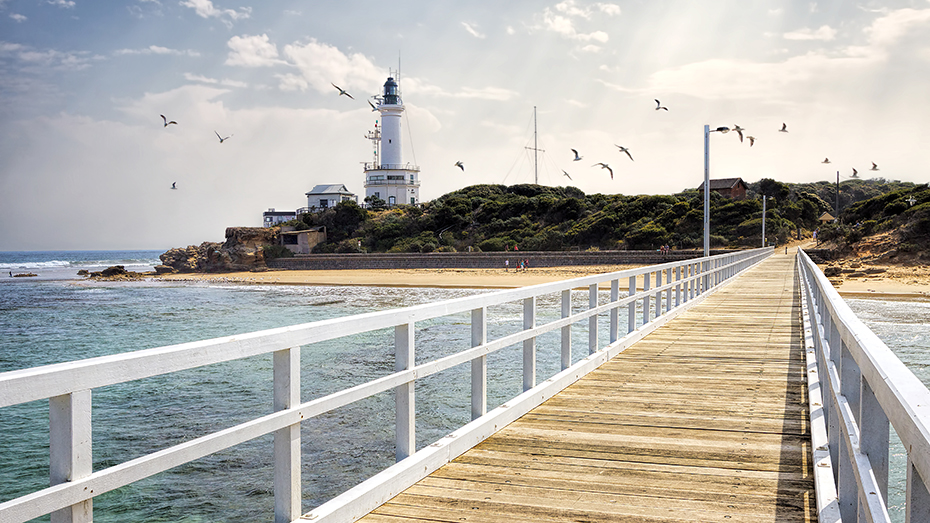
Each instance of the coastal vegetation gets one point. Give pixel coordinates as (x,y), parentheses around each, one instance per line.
(541,218)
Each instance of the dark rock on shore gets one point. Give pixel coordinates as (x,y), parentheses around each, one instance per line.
(25,275)
(242,251)
(115,273)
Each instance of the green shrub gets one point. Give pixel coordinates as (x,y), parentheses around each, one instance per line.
(276,251)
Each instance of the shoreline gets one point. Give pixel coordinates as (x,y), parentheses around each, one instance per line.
(869,288)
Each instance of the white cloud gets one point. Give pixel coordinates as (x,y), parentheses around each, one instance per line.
(157,50)
(564,26)
(18,17)
(322,64)
(888,29)
(252,51)
(213,81)
(471,30)
(609,9)
(511,30)
(824,32)
(591,48)
(61,60)
(205,9)
(65,4)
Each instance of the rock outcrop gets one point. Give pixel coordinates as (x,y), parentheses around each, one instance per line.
(242,251)
(115,273)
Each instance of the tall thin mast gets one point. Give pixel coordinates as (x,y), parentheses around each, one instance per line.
(535,149)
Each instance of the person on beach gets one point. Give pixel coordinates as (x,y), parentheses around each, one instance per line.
(506,265)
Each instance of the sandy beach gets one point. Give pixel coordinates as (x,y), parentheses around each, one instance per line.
(891,283)
(449,278)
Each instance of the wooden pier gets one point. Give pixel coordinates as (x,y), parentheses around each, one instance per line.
(705,419)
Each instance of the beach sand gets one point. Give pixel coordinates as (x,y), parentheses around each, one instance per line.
(450,278)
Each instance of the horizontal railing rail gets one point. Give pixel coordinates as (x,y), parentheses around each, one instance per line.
(667,290)
(857,388)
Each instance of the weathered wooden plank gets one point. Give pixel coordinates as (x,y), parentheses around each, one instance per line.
(705,419)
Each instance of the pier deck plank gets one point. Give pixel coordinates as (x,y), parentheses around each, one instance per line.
(703,420)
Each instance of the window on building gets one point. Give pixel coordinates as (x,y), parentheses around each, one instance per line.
(392,200)
(413,201)
(324,204)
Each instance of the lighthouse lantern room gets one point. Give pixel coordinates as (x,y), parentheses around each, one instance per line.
(388,177)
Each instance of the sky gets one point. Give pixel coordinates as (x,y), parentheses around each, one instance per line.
(87,163)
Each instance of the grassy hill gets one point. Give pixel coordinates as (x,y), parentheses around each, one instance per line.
(535,217)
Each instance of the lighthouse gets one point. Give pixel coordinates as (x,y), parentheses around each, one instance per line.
(388,177)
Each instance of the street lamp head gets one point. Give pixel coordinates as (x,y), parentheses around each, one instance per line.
(721,130)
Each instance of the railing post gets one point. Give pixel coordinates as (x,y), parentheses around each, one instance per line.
(874,436)
(566,330)
(658,293)
(479,365)
(70,449)
(646,312)
(615,312)
(668,292)
(404,399)
(917,500)
(287,494)
(678,287)
(529,346)
(592,321)
(631,307)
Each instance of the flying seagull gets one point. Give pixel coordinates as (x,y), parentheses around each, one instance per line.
(460,165)
(855,173)
(174,185)
(373,108)
(566,174)
(784,128)
(659,105)
(825,160)
(605,166)
(342,91)
(739,130)
(874,167)
(624,150)
(221,138)
(752,140)
(167,123)
(576,156)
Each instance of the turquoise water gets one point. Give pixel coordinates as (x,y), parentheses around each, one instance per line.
(58,317)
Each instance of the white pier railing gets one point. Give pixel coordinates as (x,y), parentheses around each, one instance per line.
(857,386)
(669,289)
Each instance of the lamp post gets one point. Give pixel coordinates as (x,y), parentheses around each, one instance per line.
(707,132)
(764,199)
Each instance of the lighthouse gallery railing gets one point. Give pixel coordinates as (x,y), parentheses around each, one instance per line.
(669,289)
(857,386)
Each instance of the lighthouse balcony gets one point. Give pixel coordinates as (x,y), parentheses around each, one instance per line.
(391,167)
(390,181)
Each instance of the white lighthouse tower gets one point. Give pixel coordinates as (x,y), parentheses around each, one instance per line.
(388,177)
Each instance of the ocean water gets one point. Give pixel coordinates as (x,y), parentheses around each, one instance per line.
(58,317)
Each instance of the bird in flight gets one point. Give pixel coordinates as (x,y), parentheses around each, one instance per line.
(784,128)
(874,167)
(739,130)
(855,173)
(174,185)
(825,160)
(752,140)
(624,150)
(342,91)
(373,108)
(221,138)
(565,173)
(605,166)
(659,105)
(167,123)
(460,165)
(577,157)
